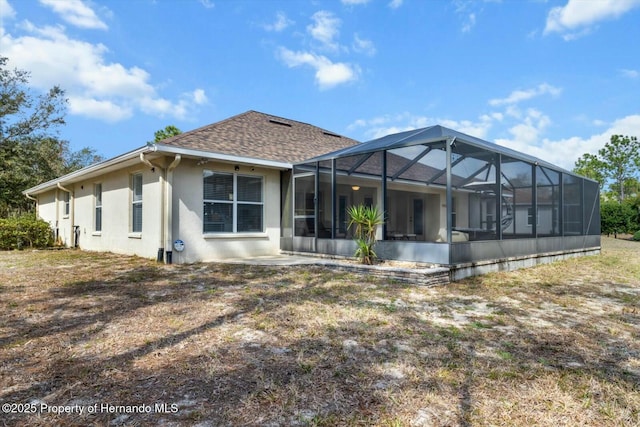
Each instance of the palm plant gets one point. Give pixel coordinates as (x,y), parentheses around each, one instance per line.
(366,220)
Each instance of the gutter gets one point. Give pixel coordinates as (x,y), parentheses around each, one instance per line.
(168,223)
(170,149)
(96,167)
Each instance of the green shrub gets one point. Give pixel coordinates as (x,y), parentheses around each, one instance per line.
(636,236)
(616,218)
(24,231)
(366,220)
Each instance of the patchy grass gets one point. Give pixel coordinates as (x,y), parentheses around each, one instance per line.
(244,345)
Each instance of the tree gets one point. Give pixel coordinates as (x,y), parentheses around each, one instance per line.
(620,159)
(590,166)
(165,133)
(74,160)
(617,163)
(21,113)
(30,153)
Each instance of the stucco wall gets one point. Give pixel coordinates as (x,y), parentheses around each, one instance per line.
(116,213)
(47,208)
(116,235)
(188,216)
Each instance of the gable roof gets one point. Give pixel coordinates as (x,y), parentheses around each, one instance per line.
(251,137)
(256,135)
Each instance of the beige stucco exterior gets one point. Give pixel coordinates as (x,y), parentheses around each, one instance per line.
(188,215)
(185,218)
(116,235)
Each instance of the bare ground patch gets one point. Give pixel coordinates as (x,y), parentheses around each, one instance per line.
(246,345)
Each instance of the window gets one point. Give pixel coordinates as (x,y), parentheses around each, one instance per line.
(136,203)
(98,202)
(232,203)
(454,216)
(66,199)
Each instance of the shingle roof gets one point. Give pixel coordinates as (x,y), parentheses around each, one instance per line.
(262,136)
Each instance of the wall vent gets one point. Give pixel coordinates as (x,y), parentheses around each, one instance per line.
(331,134)
(276,122)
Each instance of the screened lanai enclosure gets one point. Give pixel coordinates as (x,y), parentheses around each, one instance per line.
(448,199)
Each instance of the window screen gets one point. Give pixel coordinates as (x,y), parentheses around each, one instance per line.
(136,204)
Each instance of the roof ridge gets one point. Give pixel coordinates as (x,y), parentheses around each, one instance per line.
(183,135)
(201,128)
(300,122)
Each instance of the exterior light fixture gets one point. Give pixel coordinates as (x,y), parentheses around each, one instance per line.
(355,187)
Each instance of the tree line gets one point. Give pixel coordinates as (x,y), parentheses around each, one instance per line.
(30,150)
(616,167)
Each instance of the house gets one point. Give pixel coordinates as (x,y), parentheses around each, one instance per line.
(257,184)
(220,189)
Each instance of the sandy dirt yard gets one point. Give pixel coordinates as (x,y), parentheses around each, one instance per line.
(102,339)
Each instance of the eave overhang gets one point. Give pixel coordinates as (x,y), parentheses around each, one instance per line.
(152,151)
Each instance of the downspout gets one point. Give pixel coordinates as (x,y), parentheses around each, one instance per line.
(57,229)
(152,166)
(35,200)
(169,208)
(72,210)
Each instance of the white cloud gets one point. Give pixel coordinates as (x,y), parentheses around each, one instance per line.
(632,74)
(564,152)
(328,74)
(522,95)
(394,4)
(380,126)
(525,128)
(577,17)
(163,107)
(6,11)
(104,109)
(355,2)
(281,23)
(325,29)
(470,23)
(75,12)
(208,4)
(467,9)
(95,88)
(363,45)
(528,131)
(199,97)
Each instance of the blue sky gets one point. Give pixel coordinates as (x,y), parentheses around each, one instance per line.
(553,78)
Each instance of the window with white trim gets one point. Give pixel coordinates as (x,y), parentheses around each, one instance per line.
(232,203)
(136,203)
(66,198)
(97,190)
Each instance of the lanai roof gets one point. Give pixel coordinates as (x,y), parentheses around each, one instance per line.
(431,134)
